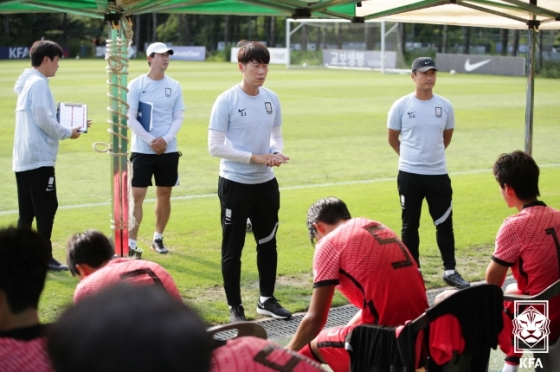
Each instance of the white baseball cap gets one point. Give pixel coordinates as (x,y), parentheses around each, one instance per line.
(158,48)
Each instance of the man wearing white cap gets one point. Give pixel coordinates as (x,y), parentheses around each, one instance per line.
(425,122)
(155,115)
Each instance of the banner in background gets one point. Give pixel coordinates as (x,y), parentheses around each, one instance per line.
(278,56)
(481,64)
(20,52)
(101,50)
(358,58)
(188,53)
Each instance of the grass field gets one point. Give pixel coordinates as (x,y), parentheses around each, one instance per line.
(334,125)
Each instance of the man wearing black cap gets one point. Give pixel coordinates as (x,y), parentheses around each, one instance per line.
(424,122)
(155,116)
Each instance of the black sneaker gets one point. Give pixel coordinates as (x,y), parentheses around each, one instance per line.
(157,245)
(456,280)
(272,308)
(135,252)
(54,265)
(237,314)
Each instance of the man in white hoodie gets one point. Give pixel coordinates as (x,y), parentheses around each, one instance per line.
(36,142)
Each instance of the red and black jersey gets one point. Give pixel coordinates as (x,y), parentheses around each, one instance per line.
(528,242)
(124,269)
(24,350)
(373,269)
(252,354)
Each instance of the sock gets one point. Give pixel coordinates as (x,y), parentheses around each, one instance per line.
(158,236)
(132,243)
(262,299)
(231,306)
(509,368)
(308,352)
(449,272)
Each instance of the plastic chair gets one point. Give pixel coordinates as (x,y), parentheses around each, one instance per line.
(551,360)
(242,329)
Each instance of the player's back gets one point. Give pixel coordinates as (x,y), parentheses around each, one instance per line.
(140,272)
(252,354)
(376,269)
(21,352)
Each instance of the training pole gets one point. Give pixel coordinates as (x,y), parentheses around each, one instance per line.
(117,65)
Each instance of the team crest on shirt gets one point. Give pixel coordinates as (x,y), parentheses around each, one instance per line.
(268,107)
(167,92)
(438,112)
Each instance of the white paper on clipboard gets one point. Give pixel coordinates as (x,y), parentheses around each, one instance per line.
(73,115)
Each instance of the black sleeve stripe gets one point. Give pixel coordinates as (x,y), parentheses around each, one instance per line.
(325,283)
(503,263)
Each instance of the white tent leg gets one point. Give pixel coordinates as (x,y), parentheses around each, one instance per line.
(530,97)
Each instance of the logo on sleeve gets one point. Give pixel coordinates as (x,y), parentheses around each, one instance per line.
(242,111)
(268,107)
(438,112)
(411,115)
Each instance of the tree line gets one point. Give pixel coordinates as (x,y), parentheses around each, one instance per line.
(215,32)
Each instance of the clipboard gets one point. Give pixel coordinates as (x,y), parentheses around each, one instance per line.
(72,115)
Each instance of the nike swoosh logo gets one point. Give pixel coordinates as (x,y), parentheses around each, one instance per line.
(471,67)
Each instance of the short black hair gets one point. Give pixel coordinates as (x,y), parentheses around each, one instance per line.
(519,171)
(129,328)
(91,247)
(252,51)
(44,48)
(328,210)
(24,259)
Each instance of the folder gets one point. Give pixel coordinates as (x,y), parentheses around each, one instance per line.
(145,114)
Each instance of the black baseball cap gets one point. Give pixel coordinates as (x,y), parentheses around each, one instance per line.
(423,64)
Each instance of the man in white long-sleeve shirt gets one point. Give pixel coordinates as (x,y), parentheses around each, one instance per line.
(159,99)
(245,132)
(36,139)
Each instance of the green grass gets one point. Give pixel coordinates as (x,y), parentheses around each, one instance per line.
(335,133)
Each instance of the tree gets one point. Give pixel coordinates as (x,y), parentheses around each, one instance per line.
(466,39)
(504,41)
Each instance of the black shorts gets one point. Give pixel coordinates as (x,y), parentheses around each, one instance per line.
(163,167)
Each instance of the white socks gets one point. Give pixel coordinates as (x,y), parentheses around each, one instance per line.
(449,272)
(132,243)
(158,236)
(262,299)
(509,368)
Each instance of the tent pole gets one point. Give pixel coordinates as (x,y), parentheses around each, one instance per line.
(530,96)
(382,47)
(288,25)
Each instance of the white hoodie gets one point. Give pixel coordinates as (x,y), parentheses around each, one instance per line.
(37,130)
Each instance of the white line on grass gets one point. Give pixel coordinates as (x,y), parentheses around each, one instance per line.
(297,187)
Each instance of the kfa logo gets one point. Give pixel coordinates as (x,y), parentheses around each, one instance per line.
(531,326)
(19,52)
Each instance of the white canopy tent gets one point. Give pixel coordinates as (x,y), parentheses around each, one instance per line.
(531,15)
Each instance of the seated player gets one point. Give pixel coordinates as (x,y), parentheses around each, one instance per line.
(24,258)
(130,328)
(245,354)
(368,263)
(527,242)
(89,255)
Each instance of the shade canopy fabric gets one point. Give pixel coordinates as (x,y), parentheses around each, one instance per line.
(510,14)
